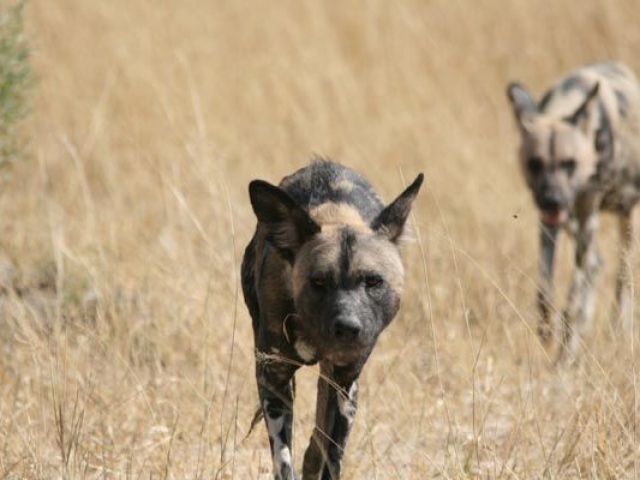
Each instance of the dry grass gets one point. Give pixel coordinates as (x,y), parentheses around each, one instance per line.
(126,350)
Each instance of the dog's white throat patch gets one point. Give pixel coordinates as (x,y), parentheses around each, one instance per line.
(305,351)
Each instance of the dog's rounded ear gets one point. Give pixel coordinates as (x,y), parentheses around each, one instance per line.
(271,204)
(287,224)
(523,104)
(391,221)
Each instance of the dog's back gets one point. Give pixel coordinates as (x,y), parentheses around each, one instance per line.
(619,107)
(619,92)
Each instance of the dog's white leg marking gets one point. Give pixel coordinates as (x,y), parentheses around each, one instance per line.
(347,403)
(582,298)
(282,460)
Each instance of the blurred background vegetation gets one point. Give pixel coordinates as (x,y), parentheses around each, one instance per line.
(16,79)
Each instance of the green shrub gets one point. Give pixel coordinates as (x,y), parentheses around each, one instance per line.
(15,79)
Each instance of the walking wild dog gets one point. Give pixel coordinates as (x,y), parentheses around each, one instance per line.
(580,154)
(322,277)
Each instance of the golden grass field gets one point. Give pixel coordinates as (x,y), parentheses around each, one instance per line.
(125,345)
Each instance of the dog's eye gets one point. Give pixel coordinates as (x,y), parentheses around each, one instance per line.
(318,281)
(373,281)
(568,166)
(535,165)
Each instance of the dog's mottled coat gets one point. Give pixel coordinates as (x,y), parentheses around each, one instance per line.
(322,277)
(580,154)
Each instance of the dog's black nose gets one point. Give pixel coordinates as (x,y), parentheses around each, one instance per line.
(550,200)
(549,203)
(346,329)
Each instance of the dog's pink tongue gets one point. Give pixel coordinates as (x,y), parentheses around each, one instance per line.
(554,218)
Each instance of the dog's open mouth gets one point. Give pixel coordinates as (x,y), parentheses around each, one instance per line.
(554,218)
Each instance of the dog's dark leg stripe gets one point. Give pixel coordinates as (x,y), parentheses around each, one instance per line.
(315,456)
(548,237)
(336,409)
(346,403)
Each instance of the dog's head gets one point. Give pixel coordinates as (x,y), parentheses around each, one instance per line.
(346,274)
(558,155)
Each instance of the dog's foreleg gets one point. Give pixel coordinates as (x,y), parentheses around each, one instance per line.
(316,453)
(581,302)
(624,280)
(335,412)
(275,388)
(548,237)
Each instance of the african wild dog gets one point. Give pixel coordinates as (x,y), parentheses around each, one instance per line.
(322,277)
(580,154)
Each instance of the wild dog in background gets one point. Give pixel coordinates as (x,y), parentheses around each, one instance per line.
(580,154)
(322,277)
